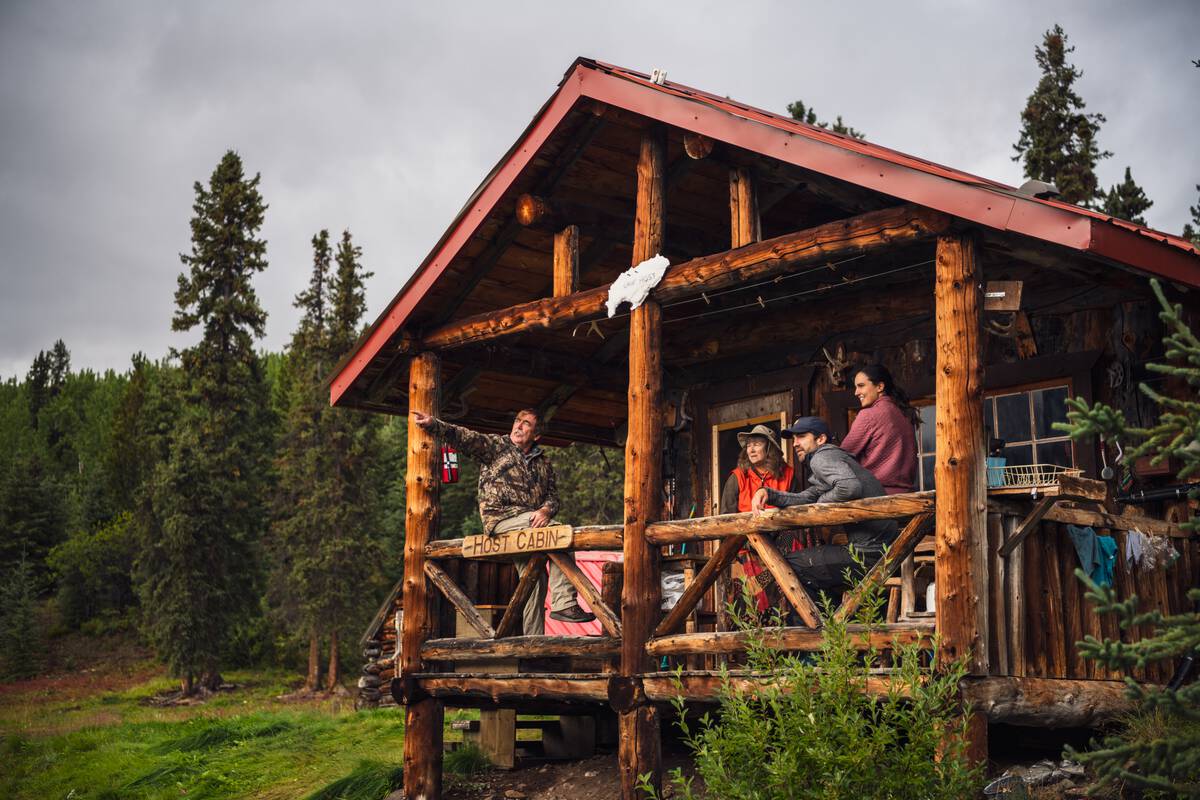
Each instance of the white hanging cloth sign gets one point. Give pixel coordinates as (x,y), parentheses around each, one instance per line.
(634,284)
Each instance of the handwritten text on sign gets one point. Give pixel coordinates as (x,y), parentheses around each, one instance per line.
(525,540)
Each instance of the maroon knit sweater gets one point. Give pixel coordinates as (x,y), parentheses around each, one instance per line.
(883,440)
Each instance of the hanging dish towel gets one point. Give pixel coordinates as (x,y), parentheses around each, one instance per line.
(1097,554)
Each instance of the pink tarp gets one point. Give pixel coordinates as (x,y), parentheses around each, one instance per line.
(592,564)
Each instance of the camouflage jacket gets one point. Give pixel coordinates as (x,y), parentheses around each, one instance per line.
(511,482)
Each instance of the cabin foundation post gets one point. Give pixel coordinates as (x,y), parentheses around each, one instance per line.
(961,501)
(423,716)
(639,751)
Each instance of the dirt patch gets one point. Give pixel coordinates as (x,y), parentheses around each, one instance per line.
(80,666)
(594,778)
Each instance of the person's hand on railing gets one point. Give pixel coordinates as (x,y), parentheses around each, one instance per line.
(422,420)
(759,502)
(540,518)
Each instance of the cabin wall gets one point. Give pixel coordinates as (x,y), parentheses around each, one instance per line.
(1038,608)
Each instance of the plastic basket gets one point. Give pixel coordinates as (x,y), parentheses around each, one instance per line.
(1027,475)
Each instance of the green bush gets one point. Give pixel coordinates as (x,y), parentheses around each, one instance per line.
(92,569)
(814,731)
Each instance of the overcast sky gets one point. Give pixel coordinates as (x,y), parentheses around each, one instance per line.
(383,117)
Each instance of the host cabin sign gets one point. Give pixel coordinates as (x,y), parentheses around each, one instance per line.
(525,540)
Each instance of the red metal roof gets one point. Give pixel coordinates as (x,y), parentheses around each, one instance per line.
(915,180)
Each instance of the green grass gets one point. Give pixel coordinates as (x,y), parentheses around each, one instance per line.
(246,743)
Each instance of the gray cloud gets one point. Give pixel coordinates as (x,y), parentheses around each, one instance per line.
(383,118)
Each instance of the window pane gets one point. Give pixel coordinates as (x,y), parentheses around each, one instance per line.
(989,417)
(1055,453)
(927,472)
(1049,406)
(1012,416)
(928,429)
(1021,454)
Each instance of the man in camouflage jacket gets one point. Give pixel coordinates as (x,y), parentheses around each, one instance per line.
(516,490)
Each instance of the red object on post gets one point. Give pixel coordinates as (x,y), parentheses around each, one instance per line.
(449,464)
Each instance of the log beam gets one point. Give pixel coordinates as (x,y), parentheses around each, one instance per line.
(789,584)
(864,637)
(519,647)
(701,687)
(700,584)
(1048,702)
(639,751)
(805,516)
(878,230)
(961,508)
(585,537)
(535,568)
(423,717)
(516,688)
(886,566)
(459,599)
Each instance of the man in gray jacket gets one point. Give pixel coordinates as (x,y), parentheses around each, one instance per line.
(833,477)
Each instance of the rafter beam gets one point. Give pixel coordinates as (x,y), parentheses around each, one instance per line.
(866,233)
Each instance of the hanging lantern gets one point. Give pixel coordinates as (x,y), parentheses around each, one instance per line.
(449,464)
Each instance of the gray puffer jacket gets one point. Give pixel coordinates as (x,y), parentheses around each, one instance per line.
(835,477)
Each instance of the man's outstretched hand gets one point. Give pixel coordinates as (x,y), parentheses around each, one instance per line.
(422,420)
(759,503)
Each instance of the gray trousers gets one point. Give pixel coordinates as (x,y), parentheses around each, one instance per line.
(562,592)
(824,568)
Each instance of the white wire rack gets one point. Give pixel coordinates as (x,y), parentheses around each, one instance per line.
(1029,475)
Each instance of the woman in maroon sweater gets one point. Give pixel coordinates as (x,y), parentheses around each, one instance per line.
(883,435)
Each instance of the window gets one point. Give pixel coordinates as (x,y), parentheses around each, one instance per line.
(1023,418)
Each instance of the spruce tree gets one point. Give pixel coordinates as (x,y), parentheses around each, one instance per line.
(325,555)
(298,522)
(1127,201)
(1058,140)
(807,115)
(60,366)
(196,571)
(1191,230)
(37,385)
(1171,763)
(350,551)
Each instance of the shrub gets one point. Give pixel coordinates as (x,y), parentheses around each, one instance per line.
(814,731)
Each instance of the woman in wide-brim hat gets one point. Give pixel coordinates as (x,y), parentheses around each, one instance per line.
(760,464)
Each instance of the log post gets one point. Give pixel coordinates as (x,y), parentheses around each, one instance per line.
(744,225)
(639,749)
(566,261)
(422,716)
(961,503)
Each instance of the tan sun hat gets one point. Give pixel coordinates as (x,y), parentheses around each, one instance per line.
(759,430)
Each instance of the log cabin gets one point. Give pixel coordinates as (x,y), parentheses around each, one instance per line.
(795,252)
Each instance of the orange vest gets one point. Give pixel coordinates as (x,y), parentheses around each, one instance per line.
(750,482)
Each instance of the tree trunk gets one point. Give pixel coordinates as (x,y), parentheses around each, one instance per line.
(334,676)
(313,679)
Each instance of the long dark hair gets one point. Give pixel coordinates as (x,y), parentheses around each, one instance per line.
(878,373)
